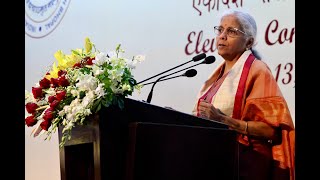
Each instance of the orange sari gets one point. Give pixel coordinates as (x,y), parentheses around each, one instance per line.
(260,100)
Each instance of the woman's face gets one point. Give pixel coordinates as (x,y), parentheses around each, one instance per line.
(232,41)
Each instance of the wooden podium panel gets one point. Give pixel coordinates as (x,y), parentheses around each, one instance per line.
(174,152)
(147,141)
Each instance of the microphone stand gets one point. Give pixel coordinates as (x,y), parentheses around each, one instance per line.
(162,80)
(151,91)
(189,73)
(163,72)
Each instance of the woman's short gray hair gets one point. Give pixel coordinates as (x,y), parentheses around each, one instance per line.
(247,22)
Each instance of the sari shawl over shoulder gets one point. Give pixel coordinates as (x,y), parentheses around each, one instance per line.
(249,92)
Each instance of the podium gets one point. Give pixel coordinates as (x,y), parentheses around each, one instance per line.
(145,141)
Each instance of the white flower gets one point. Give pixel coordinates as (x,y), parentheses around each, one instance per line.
(87,112)
(74,92)
(116,74)
(115,89)
(88,98)
(50,91)
(139,58)
(28,97)
(112,54)
(87,82)
(126,87)
(136,59)
(97,70)
(117,63)
(100,91)
(100,59)
(42,102)
(68,126)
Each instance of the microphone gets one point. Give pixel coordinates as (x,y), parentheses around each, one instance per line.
(207,60)
(194,59)
(188,73)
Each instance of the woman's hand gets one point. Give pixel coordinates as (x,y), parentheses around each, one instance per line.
(207,110)
(254,128)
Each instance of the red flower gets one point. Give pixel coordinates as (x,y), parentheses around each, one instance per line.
(77,65)
(44,83)
(54,104)
(62,73)
(51,99)
(89,62)
(31,107)
(45,125)
(61,95)
(48,114)
(63,81)
(30,121)
(37,92)
(54,82)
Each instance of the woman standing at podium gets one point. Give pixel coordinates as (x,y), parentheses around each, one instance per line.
(243,94)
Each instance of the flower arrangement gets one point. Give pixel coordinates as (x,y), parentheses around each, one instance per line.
(79,85)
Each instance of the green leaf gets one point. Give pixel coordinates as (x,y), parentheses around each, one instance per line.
(96,104)
(119,101)
(85,70)
(118,48)
(82,94)
(132,81)
(75,52)
(98,108)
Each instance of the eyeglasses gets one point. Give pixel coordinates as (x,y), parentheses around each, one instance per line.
(231,32)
